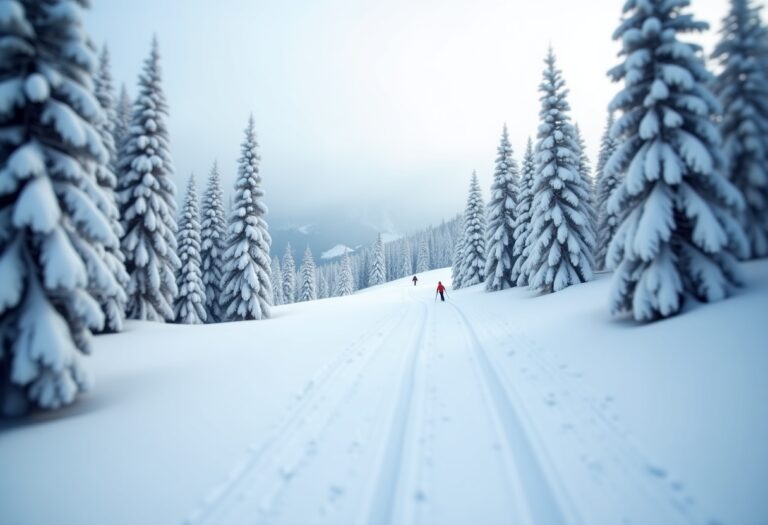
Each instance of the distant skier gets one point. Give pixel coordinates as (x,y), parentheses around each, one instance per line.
(441,291)
(415,280)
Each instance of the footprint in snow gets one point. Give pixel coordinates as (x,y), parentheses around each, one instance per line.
(656,471)
(335,492)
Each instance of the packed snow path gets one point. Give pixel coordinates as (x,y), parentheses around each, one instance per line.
(388,407)
(422,419)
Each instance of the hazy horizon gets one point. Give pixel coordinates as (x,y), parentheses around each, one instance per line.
(382,111)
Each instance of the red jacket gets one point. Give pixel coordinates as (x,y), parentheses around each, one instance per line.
(440,287)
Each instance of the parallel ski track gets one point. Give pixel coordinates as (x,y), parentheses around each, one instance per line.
(639,472)
(382,503)
(217,503)
(545,502)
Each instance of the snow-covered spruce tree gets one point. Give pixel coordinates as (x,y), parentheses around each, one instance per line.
(584,167)
(52,227)
(377,269)
(406,262)
(213,238)
(500,236)
(190,303)
(121,123)
(322,285)
(561,238)
(113,305)
(277,282)
(605,183)
(742,87)
(345,280)
(308,287)
(473,253)
(147,198)
(458,257)
(247,286)
(333,279)
(523,216)
(422,259)
(679,235)
(289,276)
(585,170)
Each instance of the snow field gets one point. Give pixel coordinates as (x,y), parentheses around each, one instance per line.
(389,407)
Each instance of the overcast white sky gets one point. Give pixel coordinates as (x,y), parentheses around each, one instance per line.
(380,107)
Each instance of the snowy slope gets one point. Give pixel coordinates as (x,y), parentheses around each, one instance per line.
(336,251)
(386,407)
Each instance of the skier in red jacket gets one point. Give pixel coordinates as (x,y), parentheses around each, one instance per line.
(441,290)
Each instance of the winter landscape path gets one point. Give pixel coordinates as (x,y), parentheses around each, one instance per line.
(407,427)
(388,407)
(421,421)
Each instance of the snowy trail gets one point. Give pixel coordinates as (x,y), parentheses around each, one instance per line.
(314,435)
(609,477)
(427,419)
(538,494)
(429,444)
(446,460)
(388,407)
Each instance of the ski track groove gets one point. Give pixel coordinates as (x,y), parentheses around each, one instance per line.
(615,448)
(382,504)
(220,497)
(545,503)
(539,493)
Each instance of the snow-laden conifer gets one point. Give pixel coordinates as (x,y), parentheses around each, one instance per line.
(523,216)
(289,276)
(585,170)
(377,272)
(345,280)
(406,260)
(247,285)
(147,198)
(473,253)
(308,286)
(742,87)
(422,258)
(679,235)
(121,124)
(458,257)
(360,264)
(113,305)
(213,238)
(605,183)
(190,303)
(561,238)
(322,285)
(277,282)
(52,227)
(500,236)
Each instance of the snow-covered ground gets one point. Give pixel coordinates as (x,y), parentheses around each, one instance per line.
(386,407)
